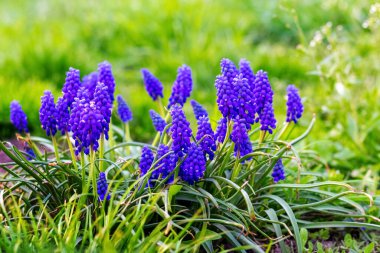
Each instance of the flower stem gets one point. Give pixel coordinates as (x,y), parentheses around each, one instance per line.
(111,141)
(161,108)
(127,136)
(283,130)
(262,136)
(156,139)
(73,157)
(55,148)
(92,174)
(101,152)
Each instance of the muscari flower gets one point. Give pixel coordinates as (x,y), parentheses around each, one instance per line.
(71,86)
(48,114)
(152,85)
(206,134)
(158,122)
(89,82)
(166,165)
(262,92)
(228,69)
(225,97)
(18,117)
(267,119)
(123,110)
(294,104)
(63,115)
(221,130)
(146,160)
(240,137)
(278,171)
(102,187)
(180,130)
(198,109)
(30,153)
(103,103)
(245,107)
(247,72)
(105,76)
(182,86)
(194,166)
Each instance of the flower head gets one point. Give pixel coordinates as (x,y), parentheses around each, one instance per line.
(158,122)
(225,97)
(247,72)
(180,130)
(102,187)
(18,117)
(240,137)
(146,160)
(123,110)
(206,134)
(198,109)
(194,166)
(89,82)
(71,86)
(228,69)
(294,104)
(103,104)
(48,114)
(221,130)
(245,107)
(105,76)
(278,171)
(152,85)
(63,115)
(182,86)
(263,91)
(30,153)
(267,119)
(167,163)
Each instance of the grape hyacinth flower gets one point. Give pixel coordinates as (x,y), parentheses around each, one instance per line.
(247,72)
(225,97)
(267,119)
(71,85)
(18,117)
(146,160)
(103,103)
(180,130)
(206,134)
(294,104)
(166,165)
(194,166)
(228,69)
(278,171)
(89,82)
(182,86)
(102,187)
(158,122)
(240,137)
(263,92)
(152,85)
(48,114)
(221,130)
(244,100)
(123,110)
(75,114)
(198,109)
(63,115)
(30,153)
(105,76)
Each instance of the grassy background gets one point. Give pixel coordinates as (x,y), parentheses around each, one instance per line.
(336,71)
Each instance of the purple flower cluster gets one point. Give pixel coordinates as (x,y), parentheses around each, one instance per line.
(166,165)
(245,108)
(240,137)
(63,115)
(278,171)
(198,109)
(158,122)
(263,91)
(180,130)
(267,120)
(221,130)
(152,85)
(105,76)
(247,72)
(48,114)
(225,97)
(294,104)
(123,110)
(228,69)
(194,166)
(71,86)
(18,117)
(182,86)
(103,187)
(206,134)
(146,160)
(103,104)
(89,82)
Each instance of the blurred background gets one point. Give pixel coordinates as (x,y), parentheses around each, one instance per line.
(329,49)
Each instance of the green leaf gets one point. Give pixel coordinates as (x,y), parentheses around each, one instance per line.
(369,248)
(173,190)
(304,236)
